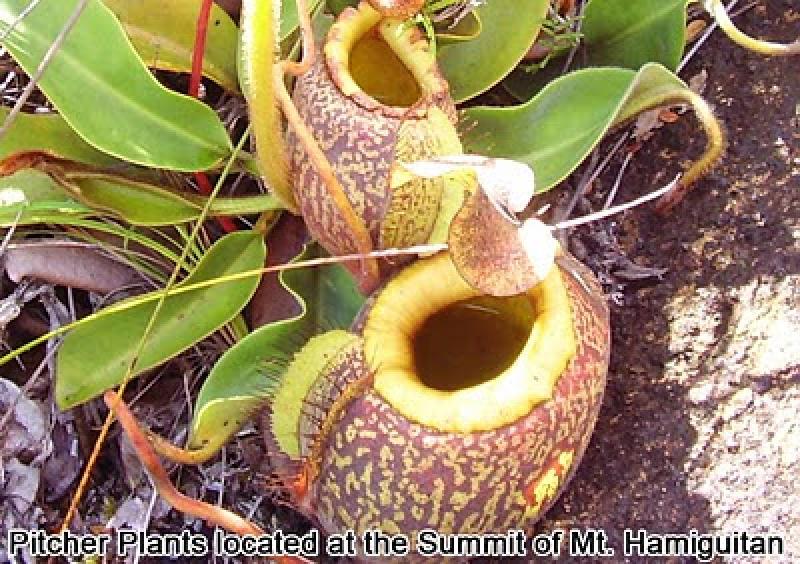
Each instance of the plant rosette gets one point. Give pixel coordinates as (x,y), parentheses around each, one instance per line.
(444,408)
(373,99)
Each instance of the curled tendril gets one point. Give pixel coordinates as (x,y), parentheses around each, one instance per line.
(717,9)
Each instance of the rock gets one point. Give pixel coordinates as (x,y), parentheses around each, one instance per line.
(701,394)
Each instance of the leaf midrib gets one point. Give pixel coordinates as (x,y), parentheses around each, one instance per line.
(94,79)
(636,28)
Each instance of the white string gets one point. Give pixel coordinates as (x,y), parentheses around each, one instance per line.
(617,209)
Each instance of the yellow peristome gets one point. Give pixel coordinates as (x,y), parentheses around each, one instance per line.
(354,25)
(418,59)
(428,287)
(348,33)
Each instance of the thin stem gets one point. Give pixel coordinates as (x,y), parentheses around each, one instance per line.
(612,194)
(592,173)
(22,15)
(201,32)
(122,233)
(182,455)
(211,513)
(204,186)
(703,38)
(617,209)
(716,143)
(309,45)
(227,224)
(577,31)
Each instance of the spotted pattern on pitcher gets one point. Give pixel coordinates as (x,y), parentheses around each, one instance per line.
(545,487)
(381,470)
(414,205)
(361,146)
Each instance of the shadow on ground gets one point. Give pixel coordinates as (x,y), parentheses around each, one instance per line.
(736,229)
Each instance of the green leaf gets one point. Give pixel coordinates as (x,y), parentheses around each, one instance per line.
(48,132)
(556,129)
(327,298)
(615,34)
(141,203)
(652,86)
(509,28)
(338,6)
(30,196)
(33,193)
(523,84)
(628,34)
(95,355)
(289,20)
(106,93)
(163,32)
(135,201)
(467,29)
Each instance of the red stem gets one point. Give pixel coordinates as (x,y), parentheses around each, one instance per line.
(201,33)
(204,186)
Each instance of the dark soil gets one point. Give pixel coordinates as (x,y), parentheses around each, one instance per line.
(651,463)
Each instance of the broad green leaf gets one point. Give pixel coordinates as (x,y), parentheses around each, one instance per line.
(327,298)
(106,93)
(134,201)
(523,84)
(49,132)
(556,129)
(95,355)
(509,28)
(163,32)
(615,34)
(652,86)
(620,33)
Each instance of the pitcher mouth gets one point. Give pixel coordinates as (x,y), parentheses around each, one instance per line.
(407,343)
(382,64)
